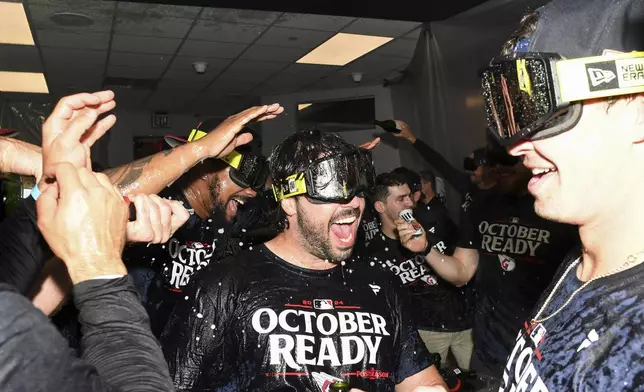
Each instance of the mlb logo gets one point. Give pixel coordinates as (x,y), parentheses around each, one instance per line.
(514,220)
(322,304)
(537,334)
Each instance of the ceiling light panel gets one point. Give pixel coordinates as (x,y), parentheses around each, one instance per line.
(343,48)
(23,82)
(14,28)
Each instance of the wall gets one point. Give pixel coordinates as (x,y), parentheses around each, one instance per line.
(129,124)
(386,155)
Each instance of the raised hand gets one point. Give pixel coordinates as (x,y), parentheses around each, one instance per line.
(406,232)
(370,145)
(71,129)
(405,132)
(223,139)
(157,219)
(83,218)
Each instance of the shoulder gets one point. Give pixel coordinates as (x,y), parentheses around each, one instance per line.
(230,272)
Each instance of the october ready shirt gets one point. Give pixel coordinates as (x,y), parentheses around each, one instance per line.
(257,323)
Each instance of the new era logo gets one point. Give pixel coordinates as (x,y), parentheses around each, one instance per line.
(375,288)
(599,76)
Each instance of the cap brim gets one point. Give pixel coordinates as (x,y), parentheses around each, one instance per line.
(174,141)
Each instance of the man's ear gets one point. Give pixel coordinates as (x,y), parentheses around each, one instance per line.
(289,207)
(379,206)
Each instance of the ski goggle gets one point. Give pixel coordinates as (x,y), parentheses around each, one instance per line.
(538,95)
(337,178)
(246,170)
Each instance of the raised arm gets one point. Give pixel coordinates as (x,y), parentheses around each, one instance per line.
(452,175)
(151,174)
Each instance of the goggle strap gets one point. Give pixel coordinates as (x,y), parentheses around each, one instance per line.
(196,134)
(233,159)
(293,185)
(600,76)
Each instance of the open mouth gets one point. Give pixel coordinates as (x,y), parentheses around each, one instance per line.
(233,205)
(540,176)
(344,229)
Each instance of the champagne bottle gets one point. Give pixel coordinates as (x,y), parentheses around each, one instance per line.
(339,386)
(389,125)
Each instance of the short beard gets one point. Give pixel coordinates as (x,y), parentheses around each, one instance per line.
(227,244)
(316,239)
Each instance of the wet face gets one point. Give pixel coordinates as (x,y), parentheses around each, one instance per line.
(226,196)
(477,175)
(328,231)
(399,199)
(604,146)
(427,189)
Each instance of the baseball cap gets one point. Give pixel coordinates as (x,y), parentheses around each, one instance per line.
(582,28)
(413,178)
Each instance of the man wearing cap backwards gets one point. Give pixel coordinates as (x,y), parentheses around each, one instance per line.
(296,313)
(587,330)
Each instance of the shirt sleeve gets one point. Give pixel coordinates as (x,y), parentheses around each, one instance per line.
(23,250)
(413,356)
(452,175)
(117,339)
(198,341)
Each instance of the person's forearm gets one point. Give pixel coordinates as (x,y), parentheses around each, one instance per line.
(116,336)
(49,296)
(452,175)
(453,269)
(152,174)
(20,157)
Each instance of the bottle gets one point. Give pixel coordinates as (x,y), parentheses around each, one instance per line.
(392,126)
(339,386)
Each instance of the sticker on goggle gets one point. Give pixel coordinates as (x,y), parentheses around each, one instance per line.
(293,185)
(600,76)
(524,78)
(233,159)
(196,134)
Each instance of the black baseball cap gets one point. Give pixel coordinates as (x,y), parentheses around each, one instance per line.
(583,28)
(413,178)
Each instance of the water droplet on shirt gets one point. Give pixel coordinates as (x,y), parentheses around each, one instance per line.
(258,346)
(220,231)
(243,230)
(199,315)
(186,297)
(343,263)
(153,259)
(351,290)
(220,283)
(197,338)
(250,248)
(213,327)
(207,227)
(241,244)
(386,249)
(162,246)
(209,220)
(165,269)
(372,263)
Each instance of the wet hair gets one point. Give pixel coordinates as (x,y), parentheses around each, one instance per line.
(295,154)
(428,176)
(527,26)
(384,181)
(413,179)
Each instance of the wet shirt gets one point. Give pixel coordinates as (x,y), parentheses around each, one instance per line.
(369,227)
(593,343)
(519,253)
(437,304)
(257,323)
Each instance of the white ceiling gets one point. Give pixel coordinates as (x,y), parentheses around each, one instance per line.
(250,53)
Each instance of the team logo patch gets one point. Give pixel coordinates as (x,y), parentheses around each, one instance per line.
(322,304)
(507,263)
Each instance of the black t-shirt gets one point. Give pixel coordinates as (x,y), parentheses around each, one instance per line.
(519,253)
(257,323)
(593,343)
(438,305)
(369,227)
(162,271)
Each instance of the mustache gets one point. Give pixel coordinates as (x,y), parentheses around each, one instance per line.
(347,213)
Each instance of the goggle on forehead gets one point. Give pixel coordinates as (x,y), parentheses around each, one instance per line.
(337,178)
(538,95)
(246,170)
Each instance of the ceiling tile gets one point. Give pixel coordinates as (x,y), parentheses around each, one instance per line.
(313,22)
(398,47)
(170,102)
(20,58)
(183,87)
(223,50)
(157,26)
(184,63)
(337,82)
(75,79)
(156,11)
(140,60)
(277,88)
(77,4)
(140,44)
(118,71)
(73,39)
(209,30)
(185,75)
(57,57)
(230,86)
(282,36)
(40,18)
(380,27)
(131,98)
(273,53)
(239,16)
(264,68)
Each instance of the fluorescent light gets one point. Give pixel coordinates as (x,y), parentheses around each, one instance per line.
(343,48)
(303,106)
(23,82)
(14,28)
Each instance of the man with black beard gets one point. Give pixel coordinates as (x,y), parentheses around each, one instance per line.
(512,254)
(296,313)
